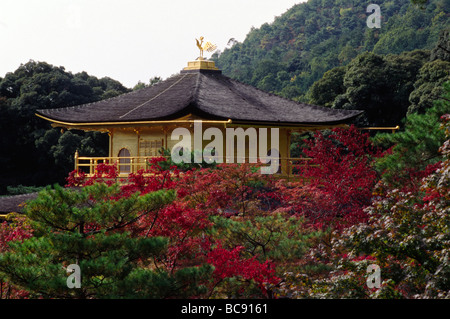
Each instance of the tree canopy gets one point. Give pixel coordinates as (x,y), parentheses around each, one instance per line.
(290,54)
(34,153)
(387,87)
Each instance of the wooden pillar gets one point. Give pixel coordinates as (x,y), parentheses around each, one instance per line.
(288,152)
(165,130)
(111,139)
(76,160)
(138,134)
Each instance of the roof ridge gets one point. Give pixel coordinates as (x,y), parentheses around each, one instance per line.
(244,96)
(154,97)
(196,91)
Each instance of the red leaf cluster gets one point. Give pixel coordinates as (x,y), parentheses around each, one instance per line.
(341,177)
(15,230)
(229,263)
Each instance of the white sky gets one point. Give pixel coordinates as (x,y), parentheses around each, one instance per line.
(129,41)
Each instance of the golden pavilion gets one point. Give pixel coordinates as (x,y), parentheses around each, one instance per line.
(140,123)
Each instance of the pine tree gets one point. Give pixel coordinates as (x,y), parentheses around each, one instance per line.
(415,148)
(89,227)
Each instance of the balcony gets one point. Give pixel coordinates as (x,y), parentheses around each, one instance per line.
(132,164)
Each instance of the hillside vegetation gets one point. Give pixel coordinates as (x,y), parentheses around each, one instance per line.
(287,56)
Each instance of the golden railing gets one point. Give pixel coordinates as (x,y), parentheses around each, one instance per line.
(393,129)
(132,164)
(126,165)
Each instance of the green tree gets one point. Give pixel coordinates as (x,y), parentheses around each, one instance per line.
(34,153)
(442,49)
(266,72)
(416,147)
(366,87)
(277,237)
(153,80)
(408,32)
(379,85)
(347,54)
(420,2)
(428,86)
(90,228)
(324,91)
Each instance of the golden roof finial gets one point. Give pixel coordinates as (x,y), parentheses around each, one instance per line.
(208,46)
(201,63)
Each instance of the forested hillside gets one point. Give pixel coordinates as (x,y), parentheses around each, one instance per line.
(386,87)
(289,55)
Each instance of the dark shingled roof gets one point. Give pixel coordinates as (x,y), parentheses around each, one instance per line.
(205,93)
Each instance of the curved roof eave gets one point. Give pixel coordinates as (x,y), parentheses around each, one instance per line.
(210,95)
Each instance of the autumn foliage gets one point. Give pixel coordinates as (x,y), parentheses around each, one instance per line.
(16,229)
(228,231)
(406,235)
